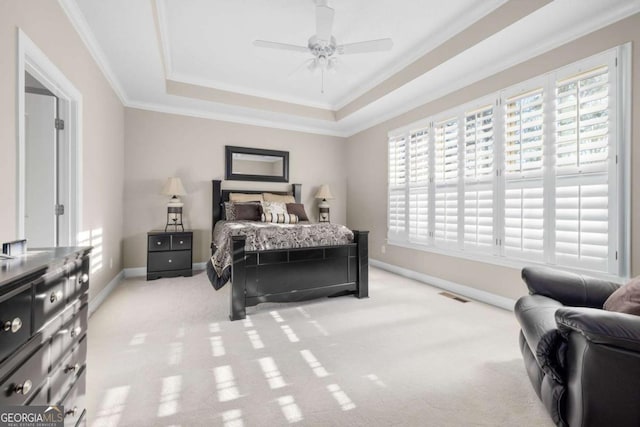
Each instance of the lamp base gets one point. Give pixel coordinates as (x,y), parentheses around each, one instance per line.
(323,211)
(174,217)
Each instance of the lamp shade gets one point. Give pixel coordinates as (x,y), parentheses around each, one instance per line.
(173,187)
(324,192)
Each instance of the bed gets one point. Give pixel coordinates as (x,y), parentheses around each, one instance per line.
(288,274)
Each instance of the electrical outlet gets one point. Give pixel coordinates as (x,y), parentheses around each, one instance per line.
(383,249)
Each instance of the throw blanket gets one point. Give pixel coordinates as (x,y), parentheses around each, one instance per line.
(264,236)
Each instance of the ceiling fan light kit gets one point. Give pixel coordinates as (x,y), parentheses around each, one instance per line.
(323,46)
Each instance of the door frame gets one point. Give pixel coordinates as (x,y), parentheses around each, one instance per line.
(32,59)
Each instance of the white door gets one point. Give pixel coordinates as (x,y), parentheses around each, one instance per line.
(41,221)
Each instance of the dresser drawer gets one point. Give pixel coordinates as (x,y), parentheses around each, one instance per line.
(78,282)
(74,402)
(15,320)
(23,383)
(181,242)
(67,372)
(160,242)
(75,329)
(162,261)
(49,298)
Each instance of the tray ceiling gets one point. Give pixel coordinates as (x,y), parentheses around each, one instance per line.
(196,57)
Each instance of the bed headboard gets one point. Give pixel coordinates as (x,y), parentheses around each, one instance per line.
(220,196)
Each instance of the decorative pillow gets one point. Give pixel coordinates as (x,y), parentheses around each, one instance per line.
(248,211)
(245,197)
(229,211)
(242,211)
(625,299)
(298,210)
(274,207)
(283,218)
(284,198)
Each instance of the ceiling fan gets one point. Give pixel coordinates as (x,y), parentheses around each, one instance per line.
(323,46)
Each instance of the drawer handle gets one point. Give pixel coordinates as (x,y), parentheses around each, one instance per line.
(158,243)
(12,325)
(83,279)
(55,296)
(76,331)
(23,388)
(72,368)
(170,261)
(181,242)
(71,412)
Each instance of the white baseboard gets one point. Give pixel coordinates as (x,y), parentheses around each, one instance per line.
(105,292)
(456,288)
(142,271)
(135,272)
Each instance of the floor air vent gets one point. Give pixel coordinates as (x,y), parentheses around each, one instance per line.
(452,296)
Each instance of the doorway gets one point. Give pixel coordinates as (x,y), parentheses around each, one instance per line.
(49,168)
(44,224)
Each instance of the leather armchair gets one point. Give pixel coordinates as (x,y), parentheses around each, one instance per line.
(583,362)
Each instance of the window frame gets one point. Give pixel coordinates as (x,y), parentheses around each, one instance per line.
(618,265)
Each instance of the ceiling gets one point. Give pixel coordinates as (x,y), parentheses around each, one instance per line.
(196,57)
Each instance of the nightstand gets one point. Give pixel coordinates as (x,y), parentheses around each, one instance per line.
(169,254)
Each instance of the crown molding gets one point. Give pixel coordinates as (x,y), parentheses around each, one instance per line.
(77,19)
(440,37)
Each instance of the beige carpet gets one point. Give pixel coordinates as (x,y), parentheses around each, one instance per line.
(163,353)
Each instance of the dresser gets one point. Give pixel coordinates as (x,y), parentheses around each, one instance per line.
(43,330)
(169,254)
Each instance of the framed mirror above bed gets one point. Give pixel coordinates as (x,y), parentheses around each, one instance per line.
(256,164)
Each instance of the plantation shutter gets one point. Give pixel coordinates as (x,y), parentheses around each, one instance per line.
(523,175)
(446,182)
(582,158)
(419,186)
(397,187)
(478,178)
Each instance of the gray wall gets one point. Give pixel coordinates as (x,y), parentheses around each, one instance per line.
(160,145)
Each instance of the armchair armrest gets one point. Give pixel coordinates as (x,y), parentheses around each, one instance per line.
(601,327)
(569,288)
(536,315)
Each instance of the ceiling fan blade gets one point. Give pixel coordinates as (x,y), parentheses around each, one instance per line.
(324,22)
(364,47)
(281,46)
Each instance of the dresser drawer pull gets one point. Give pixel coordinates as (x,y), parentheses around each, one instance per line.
(83,279)
(158,243)
(55,296)
(23,388)
(170,261)
(72,368)
(71,412)
(76,331)
(181,242)
(12,325)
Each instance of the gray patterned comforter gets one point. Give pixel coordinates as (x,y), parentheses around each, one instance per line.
(264,236)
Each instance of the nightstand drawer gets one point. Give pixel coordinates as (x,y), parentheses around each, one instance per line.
(180,242)
(178,260)
(161,242)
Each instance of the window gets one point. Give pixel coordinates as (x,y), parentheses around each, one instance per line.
(528,173)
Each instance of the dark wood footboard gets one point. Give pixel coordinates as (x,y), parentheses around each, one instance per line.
(297,274)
